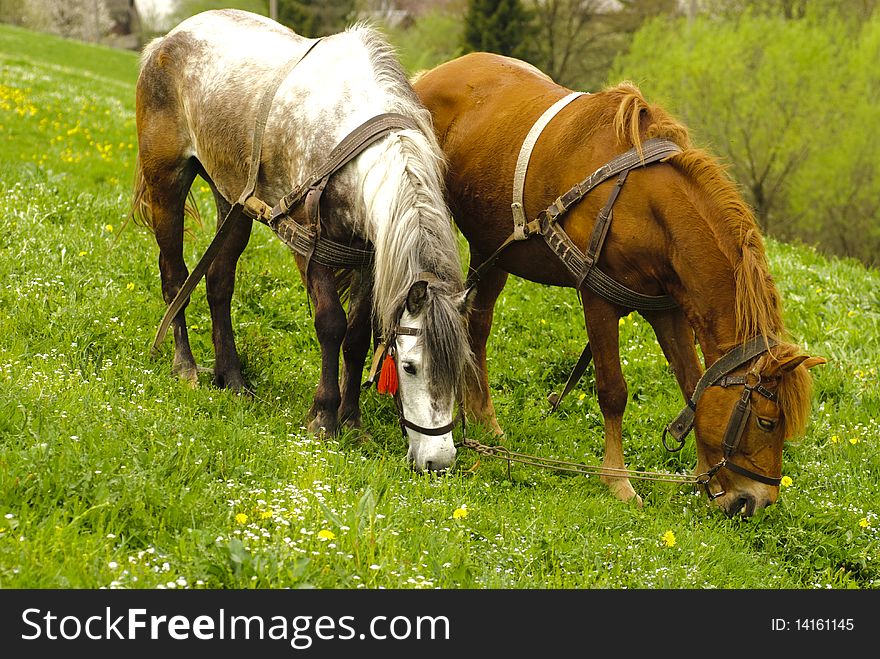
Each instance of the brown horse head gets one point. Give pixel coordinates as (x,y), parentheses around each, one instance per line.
(777,411)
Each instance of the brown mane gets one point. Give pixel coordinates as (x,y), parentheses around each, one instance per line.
(758,306)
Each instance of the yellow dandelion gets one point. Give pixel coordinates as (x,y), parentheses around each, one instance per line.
(864,523)
(786,481)
(851,313)
(460,513)
(668,539)
(129,286)
(108,228)
(241,518)
(266,514)
(854,440)
(83,253)
(834,439)
(582,396)
(326,534)
(621,322)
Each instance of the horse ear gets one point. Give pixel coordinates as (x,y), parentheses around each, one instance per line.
(415,299)
(466,299)
(787,364)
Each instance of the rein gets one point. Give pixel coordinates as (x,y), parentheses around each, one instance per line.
(717,375)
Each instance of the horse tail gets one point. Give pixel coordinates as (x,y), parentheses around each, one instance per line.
(140,210)
(141,204)
(636,119)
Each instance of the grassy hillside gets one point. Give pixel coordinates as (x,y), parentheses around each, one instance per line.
(112,473)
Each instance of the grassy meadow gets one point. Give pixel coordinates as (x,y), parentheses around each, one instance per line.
(115,474)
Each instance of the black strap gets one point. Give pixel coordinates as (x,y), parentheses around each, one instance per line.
(576,373)
(442,430)
(742,471)
(736,425)
(237,208)
(682,424)
(350,146)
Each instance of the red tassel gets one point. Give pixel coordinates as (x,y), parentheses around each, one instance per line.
(388,377)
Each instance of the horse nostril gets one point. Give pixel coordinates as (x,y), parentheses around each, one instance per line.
(744,504)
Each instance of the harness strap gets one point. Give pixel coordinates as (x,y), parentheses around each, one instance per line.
(237,208)
(736,424)
(350,146)
(684,422)
(522,162)
(583,268)
(576,373)
(305,238)
(755,476)
(441,430)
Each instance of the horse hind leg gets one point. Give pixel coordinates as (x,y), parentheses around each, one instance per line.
(602,327)
(167,189)
(220,285)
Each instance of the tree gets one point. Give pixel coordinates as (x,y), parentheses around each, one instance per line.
(316,18)
(789,105)
(497,26)
(87,20)
(576,40)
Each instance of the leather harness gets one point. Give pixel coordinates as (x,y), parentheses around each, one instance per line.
(582,265)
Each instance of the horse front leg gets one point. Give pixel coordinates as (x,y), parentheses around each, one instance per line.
(478,398)
(220,285)
(676,339)
(355,347)
(602,328)
(330,328)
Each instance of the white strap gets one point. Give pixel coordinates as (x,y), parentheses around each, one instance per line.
(522,163)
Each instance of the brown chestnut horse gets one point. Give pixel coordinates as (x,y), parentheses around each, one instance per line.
(199,104)
(680,232)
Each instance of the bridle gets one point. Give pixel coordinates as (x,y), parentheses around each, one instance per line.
(718,375)
(388,346)
(406,423)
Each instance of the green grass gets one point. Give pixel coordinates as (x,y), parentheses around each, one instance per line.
(113,473)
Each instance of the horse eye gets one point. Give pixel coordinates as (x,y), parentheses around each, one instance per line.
(766,424)
(409,367)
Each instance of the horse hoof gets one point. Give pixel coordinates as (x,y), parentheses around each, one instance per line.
(624,491)
(189,373)
(320,428)
(234,382)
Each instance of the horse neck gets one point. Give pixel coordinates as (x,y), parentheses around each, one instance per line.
(721,281)
(408,223)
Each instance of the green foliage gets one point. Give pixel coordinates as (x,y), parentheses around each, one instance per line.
(432,39)
(789,105)
(187,8)
(316,18)
(497,26)
(105,457)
